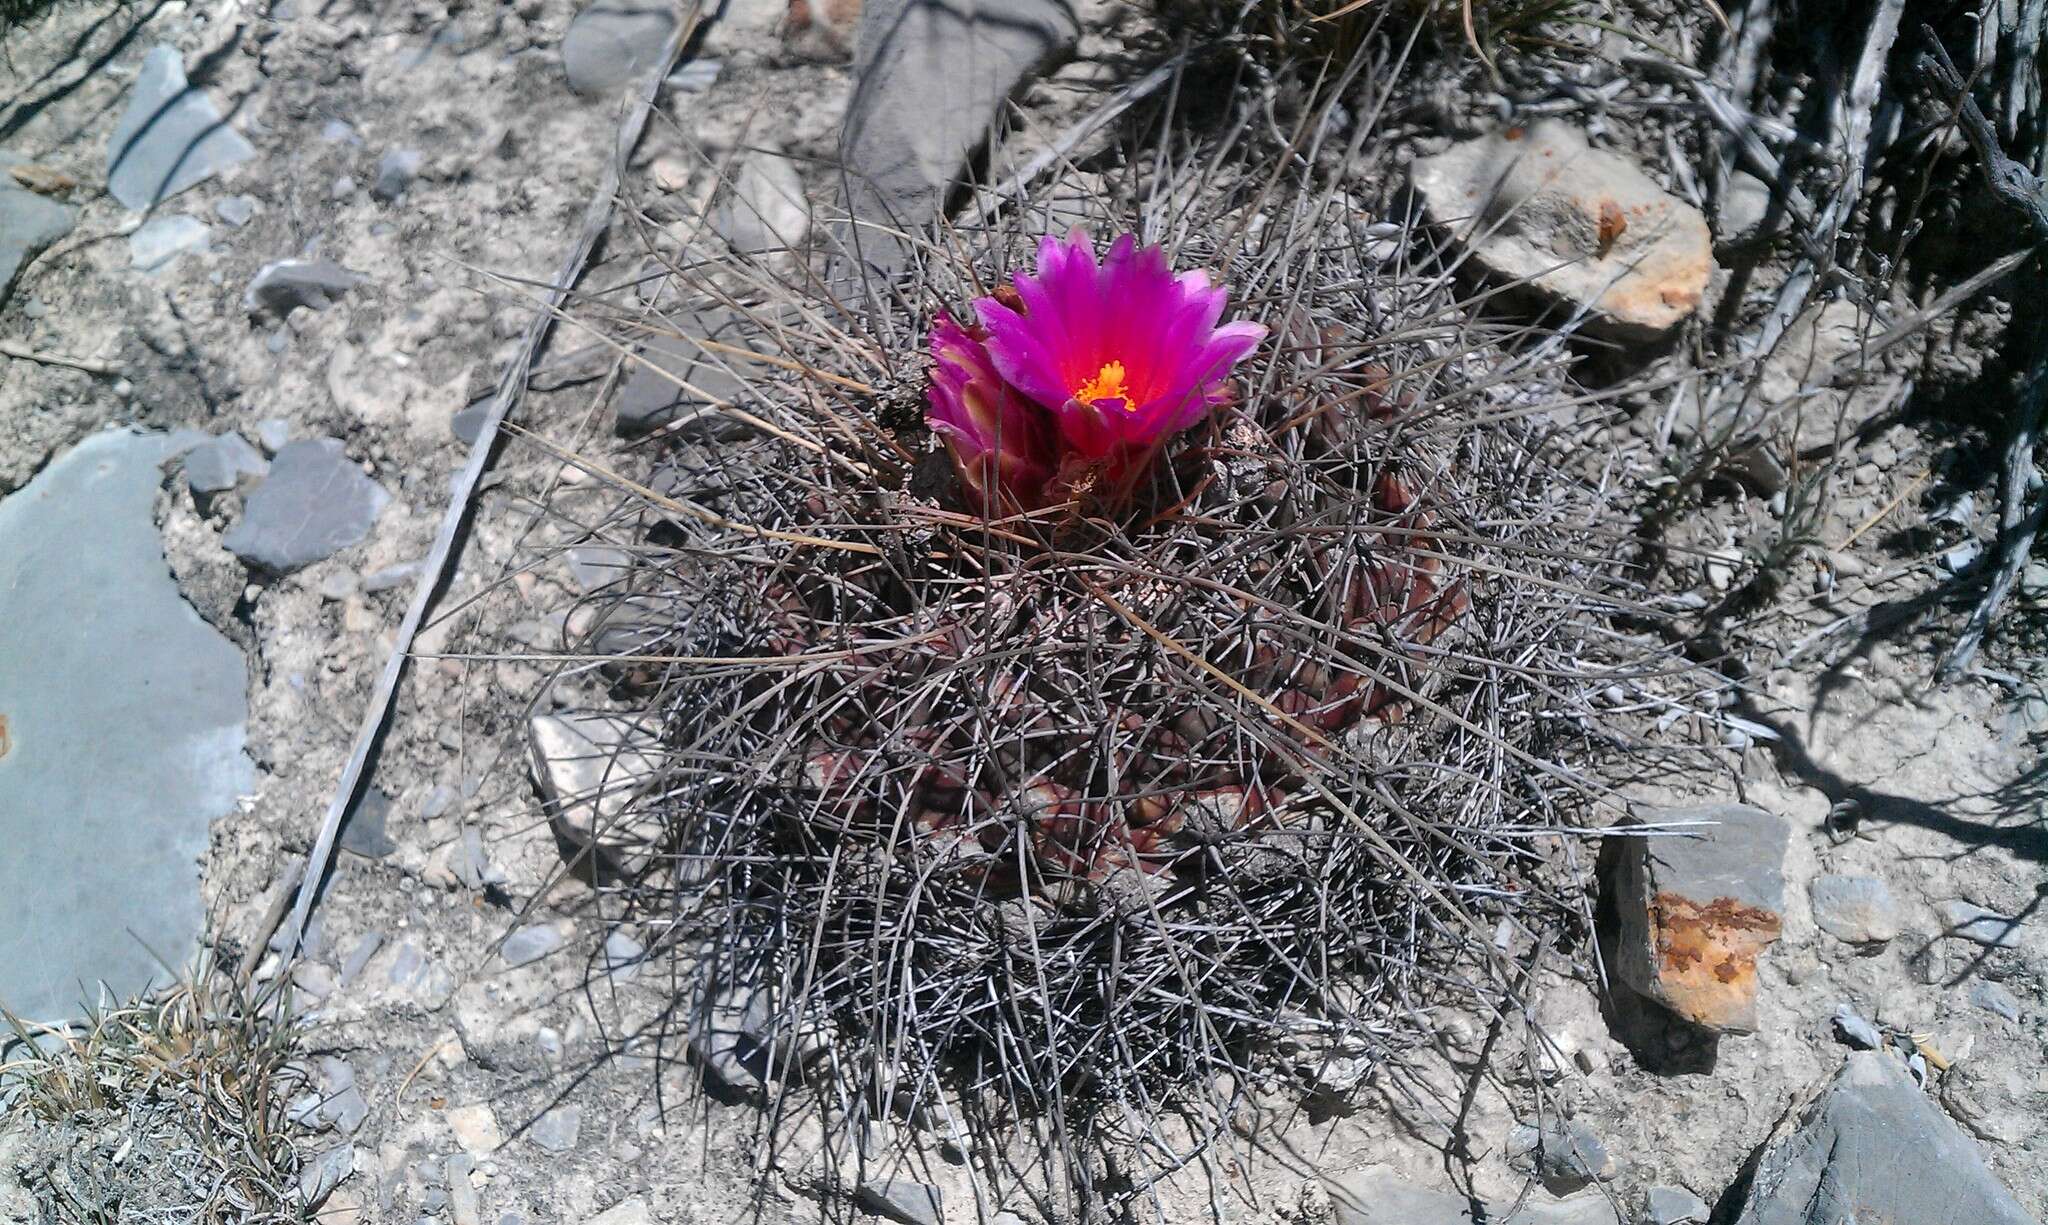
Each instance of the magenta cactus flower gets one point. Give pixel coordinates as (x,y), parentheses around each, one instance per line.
(1098,363)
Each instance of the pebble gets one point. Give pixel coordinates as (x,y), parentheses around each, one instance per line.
(395,172)
(900,1199)
(530,944)
(158,242)
(236,211)
(1852,1030)
(468,424)
(342,188)
(1570,1156)
(170,137)
(589,767)
(622,954)
(475,1128)
(1962,557)
(29,223)
(556,1130)
(1582,227)
(1674,1206)
(336,131)
(462,1198)
(313,504)
(1992,997)
(284,285)
(400,575)
(359,955)
(632,1211)
(1856,909)
(362,831)
(338,586)
(2034,582)
(319,1177)
(342,1103)
(219,463)
(1986,927)
(611,42)
(764,209)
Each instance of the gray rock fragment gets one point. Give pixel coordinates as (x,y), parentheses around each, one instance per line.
(1376,1197)
(362,832)
(221,462)
(1852,1030)
(359,955)
(1674,1206)
(402,574)
(900,1199)
(161,240)
(319,1177)
(1696,911)
(336,132)
(170,137)
(1978,925)
(726,1038)
(1992,997)
(1578,227)
(125,716)
(622,954)
(613,41)
(1869,1146)
(679,377)
(1569,1156)
(468,424)
(342,1104)
(530,944)
(1857,909)
(462,1197)
(589,768)
(556,1130)
(28,225)
(272,433)
(284,285)
(395,172)
(764,208)
(694,76)
(933,76)
(236,211)
(592,566)
(313,504)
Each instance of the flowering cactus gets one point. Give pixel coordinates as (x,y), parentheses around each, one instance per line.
(1081,368)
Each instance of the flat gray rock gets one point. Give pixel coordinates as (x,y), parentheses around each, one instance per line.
(612,41)
(764,208)
(556,1130)
(314,504)
(900,1199)
(1674,1206)
(220,462)
(1980,926)
(530,944)
(158,242)
(395,172)
(1857,909)
(933,77)
(363,833)
(1376,1197)
(1869,1148)
(28,225)
(679,374)
(1696,910)
(124,723)
(282,286)
(170,138)
(1539,208)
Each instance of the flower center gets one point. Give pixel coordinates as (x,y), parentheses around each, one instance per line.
(1108,384)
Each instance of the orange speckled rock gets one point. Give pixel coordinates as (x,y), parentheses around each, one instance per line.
(1695,912)
(1578,226)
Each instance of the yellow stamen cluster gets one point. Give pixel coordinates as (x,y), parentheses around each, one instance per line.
(1108,384)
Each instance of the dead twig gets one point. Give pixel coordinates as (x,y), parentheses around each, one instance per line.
(23,352)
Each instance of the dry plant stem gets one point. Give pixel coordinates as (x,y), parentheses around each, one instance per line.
(11,348)
(510,386)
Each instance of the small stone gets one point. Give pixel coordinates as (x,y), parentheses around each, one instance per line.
(589,769)
(438,801)
(622,954)
(1582,228)
(1980,926)
(362,831)
(342,188)
(236,211)
(28,225)
(400,575)
(395,172)
(1745,203)
(171,136)
(462,1197)
(670,173)
(1569,1156)
(592,566)
(1696,911)
(338,586)
(530,944)
(2034,582)
(319,1177)
(219,463)
(1856,909)
(1869,1146)
(342,1104)
(272,433)
(359,955)
(336,132)
(695,77)
(313,504)
(1674,1206)
(556,1131)
(284,285)
(632,1211)
(161,240)
(475,1128)
(764,209)
(900,1199)
(314,981)
(1852,1030)
(1992,997)
(1962,557)
(611,42)
(468,424)
(679,374)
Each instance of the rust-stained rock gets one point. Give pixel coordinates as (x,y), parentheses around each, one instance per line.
(1579,226)
(1695,912)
